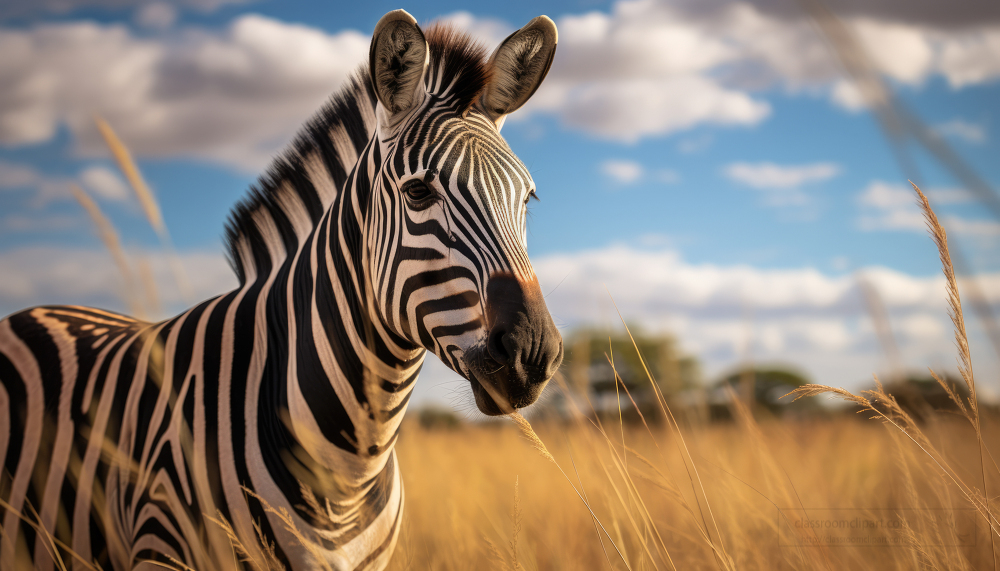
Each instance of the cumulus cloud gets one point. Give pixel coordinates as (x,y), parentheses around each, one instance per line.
(646,68)
(629,110)
(780,185)
(767,176)
(639,72)
(46,275)
(98,179)
(20,177)
(104,182)
(233,96)
(963,130)
(799,315)
(667,283)
(625,172)
(622,171)
(972,58)
(887,206)
(651,67)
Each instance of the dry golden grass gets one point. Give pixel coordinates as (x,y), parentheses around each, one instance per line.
(460,490)
(150,206)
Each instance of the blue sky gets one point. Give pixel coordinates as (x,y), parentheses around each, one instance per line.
(708,162)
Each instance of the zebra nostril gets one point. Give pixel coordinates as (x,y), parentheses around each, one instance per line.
(496,346)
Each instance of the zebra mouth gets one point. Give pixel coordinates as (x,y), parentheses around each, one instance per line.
(486,377)
(484,400)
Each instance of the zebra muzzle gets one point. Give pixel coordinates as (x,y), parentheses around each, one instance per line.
(522,349)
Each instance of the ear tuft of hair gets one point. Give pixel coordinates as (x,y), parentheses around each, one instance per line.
(459,69)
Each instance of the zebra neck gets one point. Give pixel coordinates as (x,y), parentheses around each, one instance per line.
(348,378)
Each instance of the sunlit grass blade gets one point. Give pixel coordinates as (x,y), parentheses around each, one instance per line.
(539,446)
(147,200)
(109,236)
(724,559)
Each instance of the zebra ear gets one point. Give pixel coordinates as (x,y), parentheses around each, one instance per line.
(398,58)
(520,64)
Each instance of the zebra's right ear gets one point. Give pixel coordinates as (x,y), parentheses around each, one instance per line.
(398,58)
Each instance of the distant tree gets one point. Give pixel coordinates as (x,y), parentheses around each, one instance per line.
(921,395)
(588,367)
(434,418)
(764,387)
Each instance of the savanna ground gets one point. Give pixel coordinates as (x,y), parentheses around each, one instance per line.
(481,497)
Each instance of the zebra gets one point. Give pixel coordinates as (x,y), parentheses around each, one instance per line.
(256,430)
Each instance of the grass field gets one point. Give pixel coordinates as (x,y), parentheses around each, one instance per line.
(480,497)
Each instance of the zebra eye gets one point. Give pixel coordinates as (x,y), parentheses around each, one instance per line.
(417,191)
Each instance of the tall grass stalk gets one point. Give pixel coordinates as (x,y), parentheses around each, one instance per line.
(529,433)
(718,546)
(148,202)
(894,415)
(109,236)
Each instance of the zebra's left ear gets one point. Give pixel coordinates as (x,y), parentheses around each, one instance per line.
(398,58)
(520,64)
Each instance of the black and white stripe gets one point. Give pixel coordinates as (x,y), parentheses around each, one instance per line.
(268,415)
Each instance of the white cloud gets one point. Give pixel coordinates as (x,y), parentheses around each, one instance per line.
(684,64)
(971,58)
(98,179)
(645,69)
(901,51)
(799,315)
(780,185)
(45,275)
(845,94)
(622,171)
(233,96)
(625,172)
(768,176)
(629,110)
(666,176)
(922,326)
(886,196)
(887,206)
(961,129)
(971,227)
(104,182)
(20,177)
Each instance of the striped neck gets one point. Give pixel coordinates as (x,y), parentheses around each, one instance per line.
(348,378)
(335,383)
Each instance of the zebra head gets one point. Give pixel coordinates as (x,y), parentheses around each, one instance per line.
(447,239)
